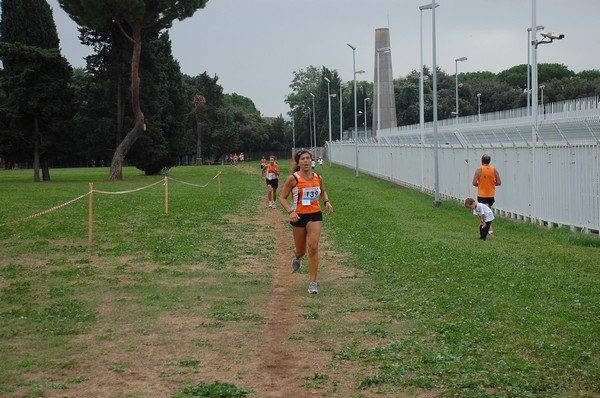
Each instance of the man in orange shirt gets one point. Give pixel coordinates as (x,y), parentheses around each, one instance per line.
(486,179)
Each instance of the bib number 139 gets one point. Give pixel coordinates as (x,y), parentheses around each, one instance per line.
(310,195)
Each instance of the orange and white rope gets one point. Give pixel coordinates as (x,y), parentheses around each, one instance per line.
(130,191)
(50,210)
(194,185)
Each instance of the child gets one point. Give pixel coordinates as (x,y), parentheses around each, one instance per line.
(485,215)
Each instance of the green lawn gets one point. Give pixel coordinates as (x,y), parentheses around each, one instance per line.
(515,316)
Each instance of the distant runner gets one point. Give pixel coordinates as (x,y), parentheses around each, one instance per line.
(272,172)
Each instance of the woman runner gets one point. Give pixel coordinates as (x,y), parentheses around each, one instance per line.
(305,213)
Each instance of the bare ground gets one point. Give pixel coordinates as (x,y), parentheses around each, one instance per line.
(290,354)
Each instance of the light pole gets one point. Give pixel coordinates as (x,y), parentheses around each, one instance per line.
(309,126)
(421,95)
(456,61)
(365,107)
(314,126)
(528,92)
(436,200)
(380,51)
(293,136)
(479,107)
(548,37)
(542,100)
(355,110)
(329,95)
(341,119)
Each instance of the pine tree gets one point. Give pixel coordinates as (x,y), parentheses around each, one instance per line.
(35,80)
(132,17)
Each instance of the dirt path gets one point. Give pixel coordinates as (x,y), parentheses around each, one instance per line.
(280,365)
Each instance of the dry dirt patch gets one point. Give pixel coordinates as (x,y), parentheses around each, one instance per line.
(288,352)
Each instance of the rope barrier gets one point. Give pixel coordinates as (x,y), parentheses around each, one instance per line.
(130,191)
(194,185)
(165,182)
(50,210)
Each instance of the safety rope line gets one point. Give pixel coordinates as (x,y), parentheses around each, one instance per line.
(130,191)
(41,213)
(50,210)
(194,185)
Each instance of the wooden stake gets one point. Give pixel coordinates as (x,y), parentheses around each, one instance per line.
(219,181)
(90,214)
(167,193)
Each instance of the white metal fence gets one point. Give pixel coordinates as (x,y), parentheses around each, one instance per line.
(552,181)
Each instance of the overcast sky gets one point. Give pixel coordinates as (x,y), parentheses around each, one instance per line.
(254,46)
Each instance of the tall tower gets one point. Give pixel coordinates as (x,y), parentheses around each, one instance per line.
(383,85)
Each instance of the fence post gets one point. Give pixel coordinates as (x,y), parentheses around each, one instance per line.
(167,192)
(90,214)
(219,181)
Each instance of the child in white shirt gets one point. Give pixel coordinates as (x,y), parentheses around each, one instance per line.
(485,215)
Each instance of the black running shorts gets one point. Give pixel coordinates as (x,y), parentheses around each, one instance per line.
(306,218)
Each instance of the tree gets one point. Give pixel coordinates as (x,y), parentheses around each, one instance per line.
(108,70)
(305,82)
(199,113)
(214,120)
(547,72)
(406,91)
(35,80)
(131,17)
(240,102)
(277,136)
(312,81)
(164,97)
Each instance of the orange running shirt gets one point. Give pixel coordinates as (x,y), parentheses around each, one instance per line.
(305,195)
(487,182)
(272,172)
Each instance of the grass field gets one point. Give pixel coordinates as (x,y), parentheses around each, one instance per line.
(417,305)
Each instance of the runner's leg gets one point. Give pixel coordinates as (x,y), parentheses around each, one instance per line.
(299,234)
(313,233)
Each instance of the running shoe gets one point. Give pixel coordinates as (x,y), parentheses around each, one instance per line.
(296,262)
(312,288)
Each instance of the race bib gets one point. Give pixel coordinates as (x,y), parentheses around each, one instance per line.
(310,195)
(271,176)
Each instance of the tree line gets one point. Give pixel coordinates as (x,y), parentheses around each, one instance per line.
(131,104)
(502,91)
(53,115)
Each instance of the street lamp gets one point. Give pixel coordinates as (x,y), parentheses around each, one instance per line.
(293,136)
(528,92)
(329,95)
(341,119)
(548,37)
(314,126)
(355,110)
(421,95)
(542,98)
(436,200)
(309,125)
(365,103)
(479,107)
(456,61)
(384,50)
